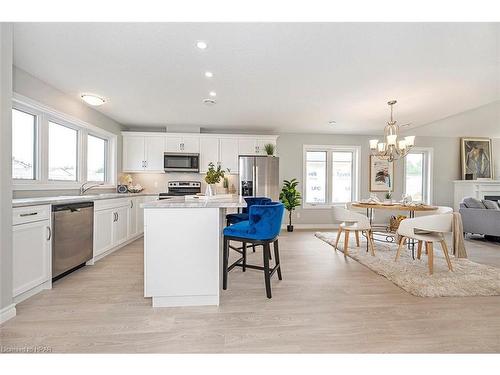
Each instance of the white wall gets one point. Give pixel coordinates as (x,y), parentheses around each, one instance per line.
(5,165)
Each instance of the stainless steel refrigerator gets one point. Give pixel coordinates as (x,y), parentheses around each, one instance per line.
(259,176)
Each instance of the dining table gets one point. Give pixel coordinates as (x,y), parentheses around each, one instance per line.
(410,208)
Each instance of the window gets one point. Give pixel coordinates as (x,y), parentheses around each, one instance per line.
(417,175)
(331,175)
(342,176)
(23,145)
(316,177)
(63,152)
(96,158)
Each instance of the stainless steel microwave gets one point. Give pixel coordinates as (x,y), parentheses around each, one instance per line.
(181,162)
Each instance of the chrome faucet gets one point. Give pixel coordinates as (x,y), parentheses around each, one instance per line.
(84,188)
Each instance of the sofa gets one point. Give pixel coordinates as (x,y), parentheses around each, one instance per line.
(481,216)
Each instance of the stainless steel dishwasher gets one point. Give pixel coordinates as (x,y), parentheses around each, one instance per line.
(72,237)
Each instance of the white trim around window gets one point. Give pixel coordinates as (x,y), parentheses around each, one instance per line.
(427,169)
(329,149)
(44,114)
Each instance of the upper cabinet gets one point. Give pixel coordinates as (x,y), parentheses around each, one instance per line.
(209,153)
(187,144)
(254,146)
(228,153)
(143,152)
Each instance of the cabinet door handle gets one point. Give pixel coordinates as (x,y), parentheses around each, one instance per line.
(117,217)
(131,204)
(49,231)
(114,217)
(29,214)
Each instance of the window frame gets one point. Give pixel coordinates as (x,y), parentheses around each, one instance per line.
(44,114)
(427,169)
(36,145)
(106,156)
(329,149)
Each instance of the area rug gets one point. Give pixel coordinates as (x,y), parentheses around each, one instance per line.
(412,275)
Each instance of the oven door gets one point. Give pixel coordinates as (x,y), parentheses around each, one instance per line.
(180,162)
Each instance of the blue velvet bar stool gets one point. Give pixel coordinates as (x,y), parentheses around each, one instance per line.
(262,228)
(243,215)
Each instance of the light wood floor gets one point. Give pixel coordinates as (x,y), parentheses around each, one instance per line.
(325,303)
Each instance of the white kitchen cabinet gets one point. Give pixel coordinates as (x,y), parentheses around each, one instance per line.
(133,153)
(111,224)
(209,152)
(140,211)
(103,231)
(247,146)
(187,144)
(155,147)
(32,250)
(228,153)
(143,153)
(120,225)
(132,216)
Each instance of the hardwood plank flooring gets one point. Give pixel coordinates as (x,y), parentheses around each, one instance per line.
(324,304)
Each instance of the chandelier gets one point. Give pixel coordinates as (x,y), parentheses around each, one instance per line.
(392,148)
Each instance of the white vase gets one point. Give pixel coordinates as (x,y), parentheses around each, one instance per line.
(210,190)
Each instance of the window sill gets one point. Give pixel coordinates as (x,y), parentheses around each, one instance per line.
(30,185)
(322,206)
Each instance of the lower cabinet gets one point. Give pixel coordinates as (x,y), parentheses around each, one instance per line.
(32,258)
(117,221)
(110,224)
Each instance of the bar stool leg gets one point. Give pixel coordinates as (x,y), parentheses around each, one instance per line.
(244,249)
(225,257)
(277,259)
(267,279)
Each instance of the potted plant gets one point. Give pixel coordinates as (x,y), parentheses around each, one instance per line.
(269,148)
(213,177)
(388,197)
(290,197)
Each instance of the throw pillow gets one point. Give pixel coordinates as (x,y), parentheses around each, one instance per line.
(473,203)
(491,205)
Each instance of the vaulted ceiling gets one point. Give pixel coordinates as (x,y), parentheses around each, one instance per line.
(282,77)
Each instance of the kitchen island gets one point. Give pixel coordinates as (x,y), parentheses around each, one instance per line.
(183,249)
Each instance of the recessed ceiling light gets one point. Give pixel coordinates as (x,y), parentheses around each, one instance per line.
(212,93)
(209,74)
(201,44)
(209,101)
(92,99)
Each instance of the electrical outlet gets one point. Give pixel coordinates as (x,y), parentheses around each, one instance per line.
(156,184)
(298,215)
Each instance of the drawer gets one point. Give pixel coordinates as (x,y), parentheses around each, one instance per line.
(106,204)
(30,214)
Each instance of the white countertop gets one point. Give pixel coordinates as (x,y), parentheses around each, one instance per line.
(22,202)
(190,201)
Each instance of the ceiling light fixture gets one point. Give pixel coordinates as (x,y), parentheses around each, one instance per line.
(392,148)
(212,93)
(201,44)
(332,122)
(209,101)
(93,99)
(209,74)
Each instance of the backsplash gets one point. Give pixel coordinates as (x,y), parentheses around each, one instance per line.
(157,182)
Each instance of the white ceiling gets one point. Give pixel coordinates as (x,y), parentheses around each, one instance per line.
(282,77)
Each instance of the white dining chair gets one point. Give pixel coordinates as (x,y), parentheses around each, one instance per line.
(428,230)
(352,222)
(441,210)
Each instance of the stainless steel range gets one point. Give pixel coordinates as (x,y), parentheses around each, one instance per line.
(181,188)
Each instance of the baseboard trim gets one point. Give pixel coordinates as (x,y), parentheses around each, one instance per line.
(7,313)
(112,250)
(31,292)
